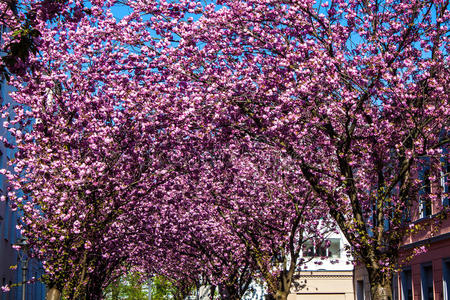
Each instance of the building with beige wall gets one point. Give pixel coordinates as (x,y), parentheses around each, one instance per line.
(327,274)
(324,285)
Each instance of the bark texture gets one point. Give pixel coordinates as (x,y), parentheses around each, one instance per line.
(278,295)
(380,285)
(53,294)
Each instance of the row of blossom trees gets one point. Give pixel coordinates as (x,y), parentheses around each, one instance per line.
(206,141)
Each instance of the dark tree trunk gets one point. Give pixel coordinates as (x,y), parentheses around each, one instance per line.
(212,292)
(94,289)
(229,293)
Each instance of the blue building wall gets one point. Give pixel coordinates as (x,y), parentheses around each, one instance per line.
(9,234)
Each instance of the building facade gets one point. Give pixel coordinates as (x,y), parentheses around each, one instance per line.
(12,265)
(426,276)
(424,259)
(327,273)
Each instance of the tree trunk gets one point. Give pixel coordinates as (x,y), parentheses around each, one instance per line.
(212,292)
(279,295)
(53,294)
(95,294)
(380,291)
(380,285)
(94,290)
(229,293)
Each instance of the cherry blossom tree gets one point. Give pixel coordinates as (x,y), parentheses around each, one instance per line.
(77,189)
(187,241)
(354,91)
(236,209)
(270,209)
(84,154)
(87,163)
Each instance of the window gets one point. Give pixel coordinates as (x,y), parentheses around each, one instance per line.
(425,191)
(406,215)
(329,248)
(12,228)
(321,250)
(360,290)
(395,287)
(406,279)
(446,278)
(309,249)
(445,170)
(334,250)
(426,276)
(6,221)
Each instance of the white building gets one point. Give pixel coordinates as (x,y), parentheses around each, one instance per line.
(327,272)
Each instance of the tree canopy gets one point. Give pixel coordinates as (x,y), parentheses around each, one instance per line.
(219,133)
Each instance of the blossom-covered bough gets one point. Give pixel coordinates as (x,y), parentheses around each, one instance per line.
(108,177)
(355,92)
(255,211)
(84,158)
(119,120)
(356,101)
